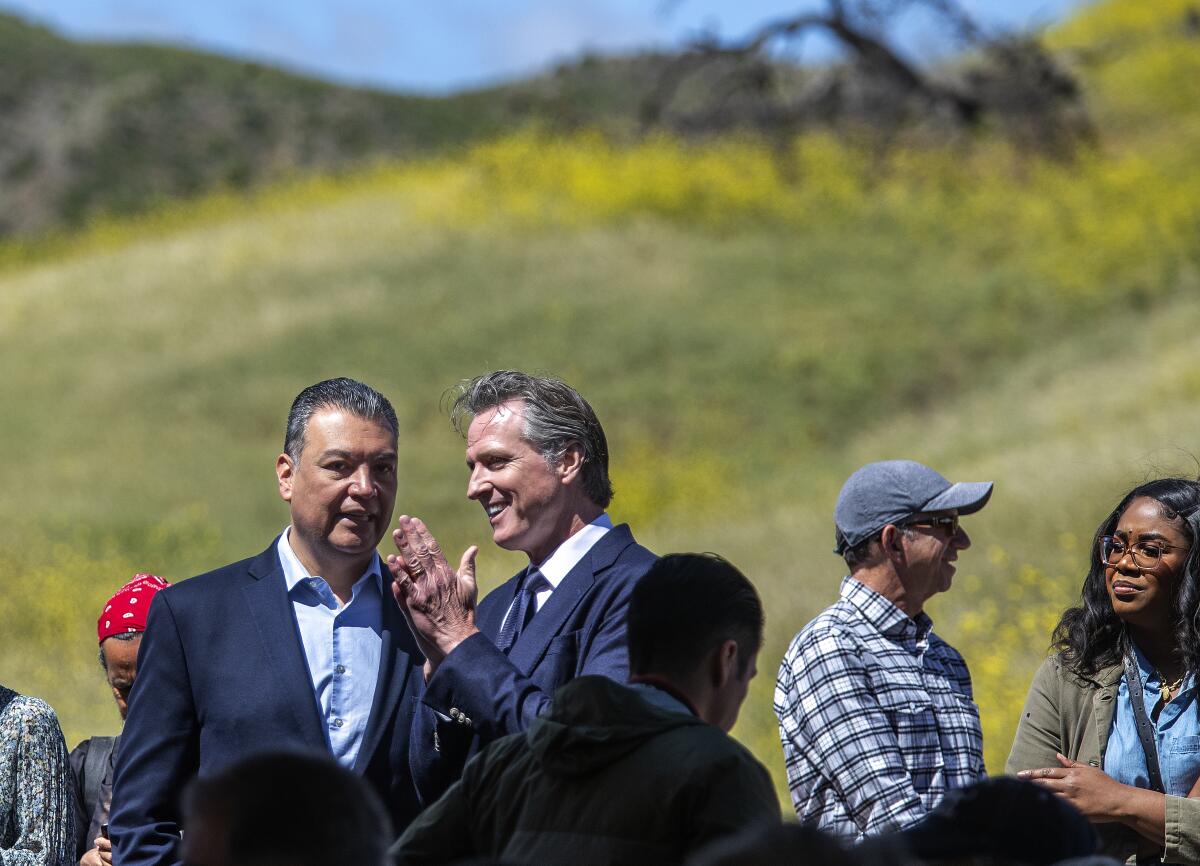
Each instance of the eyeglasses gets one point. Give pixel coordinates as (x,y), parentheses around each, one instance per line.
(1145,554)
(948,522)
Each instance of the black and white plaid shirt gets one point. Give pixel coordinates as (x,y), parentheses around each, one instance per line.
(876,717)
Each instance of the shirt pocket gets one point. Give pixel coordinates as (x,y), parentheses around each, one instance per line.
(960,733)
(910,713)
(1179,760)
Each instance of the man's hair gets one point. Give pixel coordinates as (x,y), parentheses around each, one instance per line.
(289,808)
(556,416)
(867,551)
(686,605)
(346,394)
(125,635)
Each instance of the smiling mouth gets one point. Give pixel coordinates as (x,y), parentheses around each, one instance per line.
(494,510)
(359,519)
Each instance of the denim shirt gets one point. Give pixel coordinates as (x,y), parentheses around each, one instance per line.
(1176,735)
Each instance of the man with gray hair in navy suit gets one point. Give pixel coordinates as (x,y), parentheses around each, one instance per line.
(538,463)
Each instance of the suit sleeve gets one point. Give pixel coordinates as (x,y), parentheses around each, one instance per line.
(159,748)
(477,682)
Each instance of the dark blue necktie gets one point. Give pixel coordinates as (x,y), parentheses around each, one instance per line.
(521,611)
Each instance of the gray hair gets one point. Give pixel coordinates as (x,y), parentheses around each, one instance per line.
(556,417)
(347,394)
(124,635)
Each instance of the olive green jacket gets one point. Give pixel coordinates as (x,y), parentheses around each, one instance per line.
(1067,714)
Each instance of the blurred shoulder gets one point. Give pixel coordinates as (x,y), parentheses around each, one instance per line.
(31,716)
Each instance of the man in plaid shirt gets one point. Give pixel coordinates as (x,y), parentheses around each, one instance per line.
(875,710)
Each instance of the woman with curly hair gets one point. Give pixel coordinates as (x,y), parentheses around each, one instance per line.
(1111,722)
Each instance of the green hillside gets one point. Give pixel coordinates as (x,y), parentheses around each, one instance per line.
(747,338)
(92,129)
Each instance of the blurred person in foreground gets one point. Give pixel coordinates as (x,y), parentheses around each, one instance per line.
(1111,722)
(1001,821)
(538,462)
(37,816)
(637,773)
(284,809)
(793,844)
(119,629)
(298,647)
(875,710)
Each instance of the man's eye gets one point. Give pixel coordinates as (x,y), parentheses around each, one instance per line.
(386,469)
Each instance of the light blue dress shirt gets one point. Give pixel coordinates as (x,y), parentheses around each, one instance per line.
(342,645)
(1176,735)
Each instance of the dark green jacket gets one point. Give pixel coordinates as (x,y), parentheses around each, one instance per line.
(1066,714)
(603,777)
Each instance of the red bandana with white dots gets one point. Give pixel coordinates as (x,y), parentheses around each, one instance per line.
(126,611)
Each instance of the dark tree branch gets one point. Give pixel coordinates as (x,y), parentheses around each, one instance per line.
(1019,72)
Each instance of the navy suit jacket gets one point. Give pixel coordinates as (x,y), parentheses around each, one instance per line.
(487,694)
(222,675)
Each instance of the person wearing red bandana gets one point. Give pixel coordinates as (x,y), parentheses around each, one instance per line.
(119,631)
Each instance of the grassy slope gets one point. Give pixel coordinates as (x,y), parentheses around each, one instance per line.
(148,382)
(109,128)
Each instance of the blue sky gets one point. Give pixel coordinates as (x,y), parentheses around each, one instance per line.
(451,44)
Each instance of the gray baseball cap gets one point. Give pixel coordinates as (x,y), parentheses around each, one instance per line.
(892,491)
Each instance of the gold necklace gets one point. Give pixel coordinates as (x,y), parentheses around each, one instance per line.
(1165,688)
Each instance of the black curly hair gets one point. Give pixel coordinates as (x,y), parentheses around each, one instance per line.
(1091,636)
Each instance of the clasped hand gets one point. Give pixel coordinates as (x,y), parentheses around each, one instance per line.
(438,602)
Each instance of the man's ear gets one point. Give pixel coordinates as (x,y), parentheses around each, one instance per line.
(285,471)
(571,464)
(723,663)
(889,542)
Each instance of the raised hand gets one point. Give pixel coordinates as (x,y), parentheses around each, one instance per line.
(438,602)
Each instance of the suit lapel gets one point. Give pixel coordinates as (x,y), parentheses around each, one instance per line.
(548,622)
(395,667)
(271,610)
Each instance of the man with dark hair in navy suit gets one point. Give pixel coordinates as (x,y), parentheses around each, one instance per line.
(538,460)
(299,647)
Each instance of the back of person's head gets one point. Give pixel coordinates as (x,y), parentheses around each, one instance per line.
(686,605)
(284,809)
(1000,821)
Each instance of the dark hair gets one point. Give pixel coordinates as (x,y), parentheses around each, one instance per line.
(685,605)
(295,809)
(866,551)
(556,416)
(124,635)
(1091,636)
(348,394)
